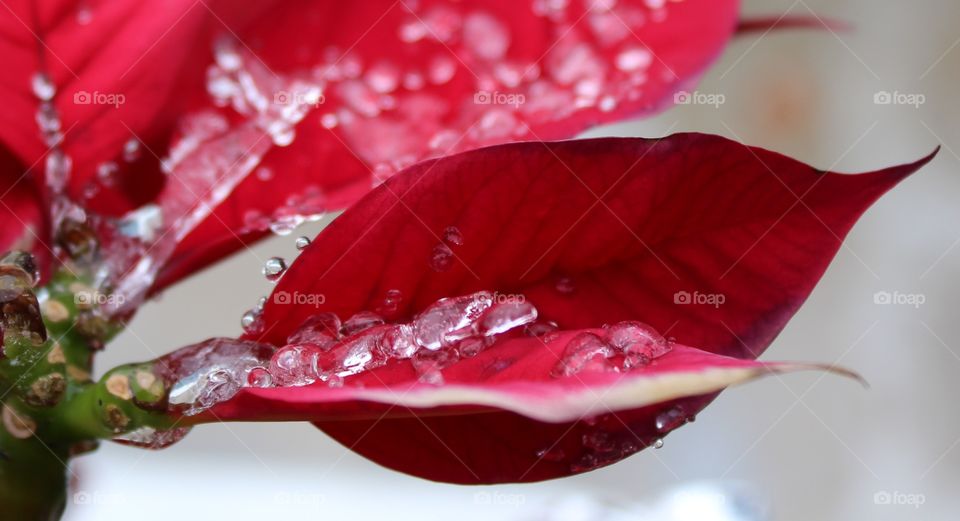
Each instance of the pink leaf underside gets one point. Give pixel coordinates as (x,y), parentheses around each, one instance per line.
(400,82)
(591,232)
(500,416)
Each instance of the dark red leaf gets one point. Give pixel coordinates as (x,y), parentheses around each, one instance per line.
(710,241)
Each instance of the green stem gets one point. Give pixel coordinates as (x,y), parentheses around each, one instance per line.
(51,410)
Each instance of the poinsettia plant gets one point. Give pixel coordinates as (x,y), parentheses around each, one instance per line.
(490,307)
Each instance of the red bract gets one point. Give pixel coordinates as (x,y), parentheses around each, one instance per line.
(369,88)
(712,242)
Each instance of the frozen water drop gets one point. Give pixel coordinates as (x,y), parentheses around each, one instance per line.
(441,259)
(670,419)
(585,352)
(658,444)
(434,325)
(470,347)
(399,342)
(259,377)
(452,236)
(359,322)
(505,316)
(321,330)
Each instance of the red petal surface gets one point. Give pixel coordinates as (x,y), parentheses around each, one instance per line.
(710,241)
(403,83)
(122,70)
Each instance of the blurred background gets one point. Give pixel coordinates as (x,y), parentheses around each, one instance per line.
(793,448)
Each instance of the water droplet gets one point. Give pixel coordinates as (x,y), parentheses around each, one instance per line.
(540,328)
(359,322)
(552,454)
(434,327)
(585,352)
(292,365)
(274,268)
(329,120)
(259,377)
(399,342)
(382,78)
(264,173)
(442,69)
(441,259)
(670,419)
(565,286)
(131,150)
(429,364)
(357,353)
(633,59)
(658,444)
(391,303)
(471,347)
(321,330)
(485,36)
(506,316)
(43,87)
(251,322)
(452,236)
(638,342)
(302,243)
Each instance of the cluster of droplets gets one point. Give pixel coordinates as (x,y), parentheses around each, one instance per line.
(326,349)
(210,372)
(619,347)
(150,438)
(606,439)
(442,256)
(408,106)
